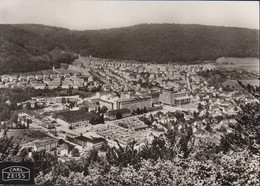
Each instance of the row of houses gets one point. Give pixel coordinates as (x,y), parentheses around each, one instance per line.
(65,81)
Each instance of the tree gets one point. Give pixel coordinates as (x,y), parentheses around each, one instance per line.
(63,100)
(14,118)
(103,109)
(253,90)
(75,152)
(119,115)
(102,119)
(145,110)
(157,149)
(28,121)
(208,128)
(123,156)
(5,112)
(195,114)
(9,148)
(44,161)
(246,133)
(138,111)
(28,105)
(69,91)
(200,107)
(186,142)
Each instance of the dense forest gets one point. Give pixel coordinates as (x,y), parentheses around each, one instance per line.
(41,47)
(24,51)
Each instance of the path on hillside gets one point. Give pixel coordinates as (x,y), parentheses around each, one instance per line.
(53,68)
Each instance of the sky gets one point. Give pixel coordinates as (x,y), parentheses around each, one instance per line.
(86,15)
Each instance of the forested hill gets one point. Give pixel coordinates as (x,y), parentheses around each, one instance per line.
(23,50)
(165,42)
(161,43)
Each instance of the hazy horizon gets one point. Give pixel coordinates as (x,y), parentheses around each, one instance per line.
(122,26)
(95,15)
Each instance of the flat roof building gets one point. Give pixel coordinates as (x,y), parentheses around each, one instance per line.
(75,118)
(173,98)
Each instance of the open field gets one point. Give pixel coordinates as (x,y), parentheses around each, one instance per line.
(234,84)
(250,64)
(66,71)
(254,82)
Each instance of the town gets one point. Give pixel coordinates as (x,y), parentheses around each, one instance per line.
(104,102)
(129,93)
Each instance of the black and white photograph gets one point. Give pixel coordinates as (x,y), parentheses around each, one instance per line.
(129,92)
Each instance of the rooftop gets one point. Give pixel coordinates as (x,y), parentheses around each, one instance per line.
(76,116)
(45,142)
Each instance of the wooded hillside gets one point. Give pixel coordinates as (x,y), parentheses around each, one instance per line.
(32,44)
